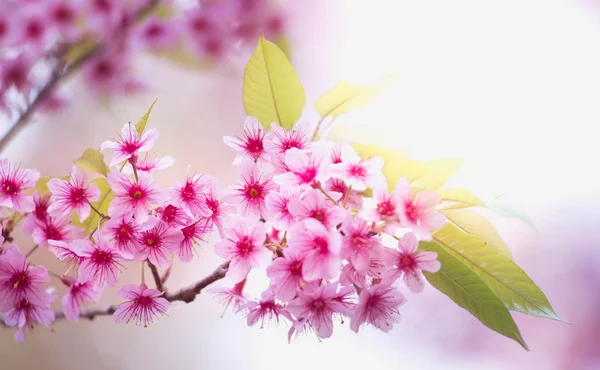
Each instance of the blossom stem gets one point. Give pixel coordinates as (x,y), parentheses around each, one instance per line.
(316,134)
(167,273)
(35,247)
(156,276)
(102,215)
(135,173)
(346,196)
(143,272)
(328,196)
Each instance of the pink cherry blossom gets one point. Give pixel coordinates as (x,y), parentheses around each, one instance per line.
(231,296)
(265,310)
(133,198)
(191,235)
(286,275)
(305,167)
(407,262)
(189,195)
(338,190)
(130,144)
(349,275)
(172,216)
(53,228)
(219,203)
(72,195)
(63,251)
(63,16)
(253,190)
(100,263)
(277,205)
(142,304)
(78,294)
(251,144)
(34,32)
(318,247)
(105,75)
(419,213)
(157,35)
(313,204)
(151,164)
(41,204)
(386,208)
(123,230)
(157,243)
(14,182)
(243,246)
(15,72)
(378,306)
(26,314)
(356,172)
(318,305)
(358,245)
(20,281)
(279,140)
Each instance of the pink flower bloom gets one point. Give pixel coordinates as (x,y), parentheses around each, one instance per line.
(26,314)
(305,167)
(349,275)
(279,140)
(103,15)
(130,144)
(155,164)
(356,172)
(219,203)
(266,309)
(337,189)
(243,246)
(14,181)
(107,75)
(19,281)
(251,145)
(142,304)
(277,204)
(358,245)
(189,195)
(41,204)
(172,216)
(79,294)
(231,296)
(191,235)
(133,198)
(72,195)
(408,262)
(318,305)
(100,263)
(378,306)
(157,35)
(318,247)
(286,275)
(251,194)
(63,16)
(386,208)
(59,229)
(419,213)
(123,231)
(63,251)
(314,205)
(35,32)
(16,72)
(157,244)
(8,28)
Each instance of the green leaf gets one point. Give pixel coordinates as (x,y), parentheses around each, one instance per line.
(423,175)
(458,198)
(470,292)
(106,196)
(344,97)
(41,186)
(140,126)
(92,160)
(272,91)
(475,224)
(507,280)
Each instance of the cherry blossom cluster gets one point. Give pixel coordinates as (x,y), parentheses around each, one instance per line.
(41,37)
(300,212)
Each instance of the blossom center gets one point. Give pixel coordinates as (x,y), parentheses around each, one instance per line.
(244,246)
(154,30)
(412,212)
(10,188)
(320,245)
(102,257)
(407,262)
(356,170)
(63,14)
(386,209)
(318,304)
(34,29)
(309,174)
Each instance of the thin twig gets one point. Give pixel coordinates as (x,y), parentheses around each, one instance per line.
(59,73)
(156,276)
(186,295)
(35,247)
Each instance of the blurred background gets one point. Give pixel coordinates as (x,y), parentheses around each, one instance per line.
(512,86)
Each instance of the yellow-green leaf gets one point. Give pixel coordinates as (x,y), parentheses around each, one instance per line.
(283,43)
(184,58)
(470,292)
(140,126)
(344,97)
(458,198)
(41,186)
(92,160)
(421,175)
(272,91)
(80,49)
(507,280)
(475,224)
(106,196)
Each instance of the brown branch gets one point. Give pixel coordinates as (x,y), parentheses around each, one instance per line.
(186,295)
(156,276)
(59,73)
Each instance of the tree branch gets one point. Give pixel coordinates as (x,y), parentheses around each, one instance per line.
(156,276)
(59,73)
(186,295)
